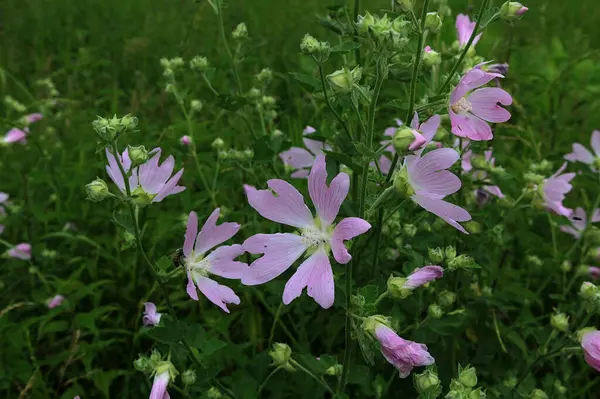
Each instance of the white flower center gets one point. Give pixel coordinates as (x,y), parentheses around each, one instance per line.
(198,265)
(314,236)
(462,106)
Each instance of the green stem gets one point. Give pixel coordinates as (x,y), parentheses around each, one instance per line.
(328,103)
(553,233)
(276,319)
(465,49)
(238,82)
(264,383)
(308,372)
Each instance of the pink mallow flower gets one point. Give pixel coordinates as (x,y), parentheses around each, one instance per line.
(301,159)
(579,222)
(594,272)
(219,262)
(185,140)
(151,317)
(21,251)
(150,182)
(591,348)
(32,118)
(554,189)
(56,301)
(464,30)
(423,134)
(426,181)
(317,236)
(470,109)
(401,353)
(481,175)
(16,135)
(163,374)
(582,154)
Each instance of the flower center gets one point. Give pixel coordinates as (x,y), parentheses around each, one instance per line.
(198,265)
(462,106)
(315,236)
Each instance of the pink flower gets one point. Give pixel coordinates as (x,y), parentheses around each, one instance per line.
(301,159)
(554,190)
(185,140)
(464,30)
(159,386)
(219,262)
(57,300)
(151,317)
(3,202)
(591,348)
(21,251)
(427,49)
(423,275)
(594,272)
(150,179)
(469,110)
(579,222)
(401,353)
(426,181)
(582,154)
(317,235)
(32,118)
(423,134)
(480,175)
(16,135)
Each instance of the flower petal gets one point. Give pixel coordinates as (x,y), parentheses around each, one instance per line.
(570,230)
(170,187)
(223,264)
(485,101)
(191,287)
(429,128)
(580,154)
(596,142)
(347,229)
(212,235)
(470,126)
(218,294)
(327,200)
(280,251)
(191,230)
(315,146)
(286,207)
(297,157)
(300,174)
(159,386)
(450,213)
(316,274)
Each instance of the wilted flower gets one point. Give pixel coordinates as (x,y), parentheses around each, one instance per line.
(470,109)
(151,317)
(554,189)
(579,222)
(464,30)
(400,287)
(20,251)
(301,159)
(219,262)
(317,235)
(582,154)
(57,300)
(591,348)
(150,182)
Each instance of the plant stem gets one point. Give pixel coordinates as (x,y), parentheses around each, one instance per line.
(466,48)
(238,82)
(264,383)
(308,372)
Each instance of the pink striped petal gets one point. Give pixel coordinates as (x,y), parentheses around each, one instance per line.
(300,174)
(327,200)
(218,294)
(212,235)
(223,264)
(580,154)
(596,142)
(316,274)
(485,104)
(287,207)
(297,157)
(280,251)
(191,230)
(470,126)
(450,213)
(346,229)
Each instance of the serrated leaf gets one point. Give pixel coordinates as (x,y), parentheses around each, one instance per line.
(345,47)
(169,331)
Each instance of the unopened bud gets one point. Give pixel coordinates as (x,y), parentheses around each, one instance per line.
(479,393)
(450,252)
(468,377)
(281,355)
(446,298)
(155,357)
(143,364)
(436,255)
(185,140)
(538,394)
(431,58)
(138,155)
(265,76)
(512,10)
(188,377)
(218,144)
(560,321)
(566,266)
(433,22)
(404,5)
(428,384)
(407,139)
(97,190)
(364,22)
(240,32)
(214,393)
(199,64)
(461,262)
(336,369)
(473,227)
(410,230)
(196,105)
(588,290)
(435,311)
(343,80)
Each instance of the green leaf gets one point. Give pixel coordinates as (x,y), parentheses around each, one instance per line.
(121,217)
(307,79)
(262,150)
(169,331)
(345,47)
(345,159)
(211,346)
(231,102)
(364,150)
(195,335)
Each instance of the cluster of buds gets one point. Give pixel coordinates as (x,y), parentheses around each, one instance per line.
(240,32)
(14,104)
(264,77)
(171,65)
(313,47)
(388,33)
(48,85)
(109,129)
(199,63)
(464,385)
(590,294)
(428,384)
(234,155)
(281,355)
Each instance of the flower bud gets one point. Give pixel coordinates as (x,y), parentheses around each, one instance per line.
(402,184)
(433,22)
(185,140)
(138,155)
(196,105)
(309,44)
(560,321)
(431,58)
(364,23)
(560,388)
(97,190)
(199,64)
(265,76)
(538,394)
(435,311)
(269,101)
(155,357)
(566,266)
(512,10)
(281,355)
(218,144)
(105,128)
(343,80)
(446,298)
(428,384)
(188,377)
(336,369)
(128,122)
(467,377)
(407,139)
(473,227)
(450,252)
(214,393)
(588,291)
(580,333)
(410,229)
(461,262)
(477,394)
(396,289)
(534,261)
(436,255)
(240,32)
(143,364)
(404,5)
(370,324)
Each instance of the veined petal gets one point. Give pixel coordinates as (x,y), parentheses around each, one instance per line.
(327,200)
(580,154)
(485,101)
(297,157)
(470,126)
(286,207)
(170,187)
(191,287)
(595,141)
(450,213)
(159,386)
(346,229)
(570,230)
(300,174)
(280,251)
(316,274)
(212,235)
(429,128)
(223,264)
(218,294)
(315,146)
